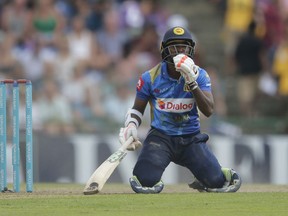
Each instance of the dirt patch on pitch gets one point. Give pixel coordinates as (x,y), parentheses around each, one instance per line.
(263,188)
(183,188)
(76,190)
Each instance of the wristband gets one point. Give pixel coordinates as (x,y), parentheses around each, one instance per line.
(193,86)
(129,117)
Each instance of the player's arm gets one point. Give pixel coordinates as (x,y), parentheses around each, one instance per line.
(133,120)
(140,106)
(190,72)
(204,101)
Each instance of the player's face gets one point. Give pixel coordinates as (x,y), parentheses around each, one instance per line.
(177,47)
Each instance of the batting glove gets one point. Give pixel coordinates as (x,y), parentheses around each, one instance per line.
(126,132)
(186,67)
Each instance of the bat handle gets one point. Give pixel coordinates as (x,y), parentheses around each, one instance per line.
(127,143)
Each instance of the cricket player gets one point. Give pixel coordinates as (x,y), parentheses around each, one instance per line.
(177,91)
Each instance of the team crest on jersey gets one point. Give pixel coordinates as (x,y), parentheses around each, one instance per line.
(161,104)
(175,105)
(140,84)
(178,31)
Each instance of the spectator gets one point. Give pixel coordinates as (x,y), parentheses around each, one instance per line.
(46,20)
(280,63)
(83,47)
(131,17)
(10,67)
(122,98)
(80,40)
(134,15)
(129,67)
(274,28)
(94,20)
(56,115)
(249,59)
(111,37)
(155,13)
(283,8)
(280,71)
(16,25)
(238,15)
(33,60)
(64,62)
(84,96)
(138,54)
(148,45)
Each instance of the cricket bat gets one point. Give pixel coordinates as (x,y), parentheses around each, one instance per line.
(97,180)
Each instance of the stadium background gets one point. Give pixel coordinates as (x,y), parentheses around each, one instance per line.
(84,59)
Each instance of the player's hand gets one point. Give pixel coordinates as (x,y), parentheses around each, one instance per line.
(127,132)
(186,67)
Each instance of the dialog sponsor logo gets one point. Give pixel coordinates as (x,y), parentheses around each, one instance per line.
(175,105)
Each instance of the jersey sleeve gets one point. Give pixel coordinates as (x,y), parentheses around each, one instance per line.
(204,81)
(144,86)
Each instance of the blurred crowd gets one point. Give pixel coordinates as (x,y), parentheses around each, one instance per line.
(255,38)
(84,57)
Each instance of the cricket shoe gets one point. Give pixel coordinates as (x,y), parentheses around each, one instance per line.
(138,188)
(232,184)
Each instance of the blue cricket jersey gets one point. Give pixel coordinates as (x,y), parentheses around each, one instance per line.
(173,109)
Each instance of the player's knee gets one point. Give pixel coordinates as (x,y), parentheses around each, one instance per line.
(137,187)
(147,181)
(148,178)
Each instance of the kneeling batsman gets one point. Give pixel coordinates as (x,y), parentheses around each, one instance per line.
(176,79)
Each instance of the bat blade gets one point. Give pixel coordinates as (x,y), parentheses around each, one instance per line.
(97,180)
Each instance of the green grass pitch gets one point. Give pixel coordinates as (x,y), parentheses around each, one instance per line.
(117,199)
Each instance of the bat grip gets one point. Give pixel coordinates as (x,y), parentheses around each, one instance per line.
(127,143)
